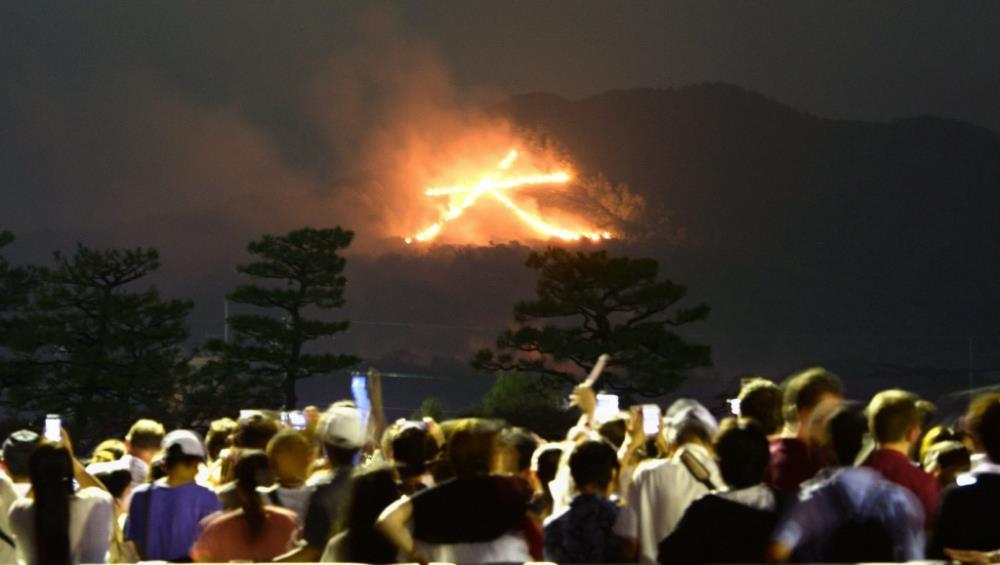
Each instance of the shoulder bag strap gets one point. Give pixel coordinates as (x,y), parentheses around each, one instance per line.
(697,470)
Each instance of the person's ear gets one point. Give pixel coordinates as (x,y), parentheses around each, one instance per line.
(914,434)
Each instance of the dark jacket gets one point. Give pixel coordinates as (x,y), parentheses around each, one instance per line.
(717,530)
(968,517)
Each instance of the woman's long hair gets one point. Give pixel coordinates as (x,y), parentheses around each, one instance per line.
(51,472)
(251,470)
(372,489)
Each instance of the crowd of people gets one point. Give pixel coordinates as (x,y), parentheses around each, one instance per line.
(798,473)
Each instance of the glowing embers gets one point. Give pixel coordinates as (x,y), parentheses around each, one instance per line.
(495,185)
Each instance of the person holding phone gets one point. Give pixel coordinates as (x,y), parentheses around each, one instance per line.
(58,525)
(662,489)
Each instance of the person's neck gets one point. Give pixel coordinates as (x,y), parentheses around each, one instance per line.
(338,469)
(897,446)
(411,480)
(179,479)
(291,483)
(592,489)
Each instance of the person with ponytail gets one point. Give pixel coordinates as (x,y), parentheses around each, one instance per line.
(253,532)
(163,515)
(59,525)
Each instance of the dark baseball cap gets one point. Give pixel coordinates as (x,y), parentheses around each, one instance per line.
(17,450)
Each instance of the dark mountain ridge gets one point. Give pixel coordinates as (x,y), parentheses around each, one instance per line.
(870,247)
(864,244)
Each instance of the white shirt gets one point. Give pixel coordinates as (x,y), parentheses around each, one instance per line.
(661,491)
(759,497)
(294,499)
(91,512)
(508,548)
(136,466)
(22,489)
(8,496)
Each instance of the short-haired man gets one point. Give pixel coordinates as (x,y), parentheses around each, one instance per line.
(142,442)
(849,514)
(967,520)
(290,454)
(410,447)
(582,533)
(14,485)
(662,489)
(894,420)
(342,434)
(792,457)
(516,446)
(761,401)
(17,450)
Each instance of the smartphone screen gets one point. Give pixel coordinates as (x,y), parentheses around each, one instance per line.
(359,390)
(53,428)
(734,406)
(297,420)
(607,407)
(651,419)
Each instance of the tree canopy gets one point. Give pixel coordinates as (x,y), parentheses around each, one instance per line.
(588,303)
(91,347)
(293,274)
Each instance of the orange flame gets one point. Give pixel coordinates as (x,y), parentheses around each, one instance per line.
(494,185)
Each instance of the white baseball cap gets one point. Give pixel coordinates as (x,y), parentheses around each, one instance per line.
(189,442)
(341,426)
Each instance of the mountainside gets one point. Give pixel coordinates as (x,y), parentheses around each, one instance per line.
(849,239)
(868,247)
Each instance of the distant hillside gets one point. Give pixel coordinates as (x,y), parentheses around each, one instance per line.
(871,248)
(740,169)
(803,226)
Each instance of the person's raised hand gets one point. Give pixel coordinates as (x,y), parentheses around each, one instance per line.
(66,442)
(583,396)
(635,435)
(635,425)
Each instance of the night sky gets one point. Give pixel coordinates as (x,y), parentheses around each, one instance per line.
(178,124)
(91,88)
